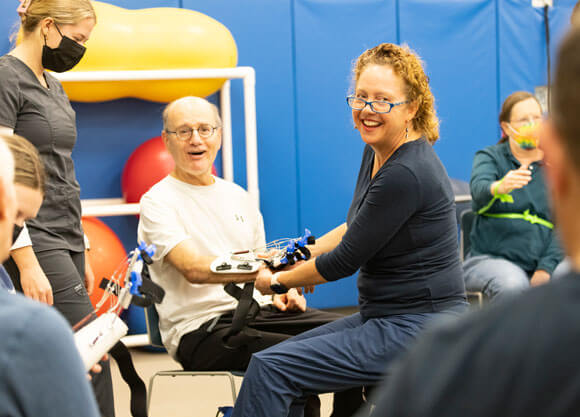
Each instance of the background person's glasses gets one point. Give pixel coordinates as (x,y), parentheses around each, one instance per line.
(186,133)
(378,106)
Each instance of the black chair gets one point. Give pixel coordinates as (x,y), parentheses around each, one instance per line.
(152,320)
(466,220)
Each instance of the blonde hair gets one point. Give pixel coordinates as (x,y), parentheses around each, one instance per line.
(64,12)
(407,65)
(28,167)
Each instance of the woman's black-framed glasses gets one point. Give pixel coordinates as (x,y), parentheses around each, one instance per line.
(378,106)
(186,133)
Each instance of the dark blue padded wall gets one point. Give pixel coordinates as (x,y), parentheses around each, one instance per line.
(263,33)
(108,133)
(476,53)
(8,23)
(522,44)
(329,35)
(458,48)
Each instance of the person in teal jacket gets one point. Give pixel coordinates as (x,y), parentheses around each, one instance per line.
(513,243)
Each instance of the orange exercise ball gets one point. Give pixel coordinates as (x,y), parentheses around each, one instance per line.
(147,165)
(105,257)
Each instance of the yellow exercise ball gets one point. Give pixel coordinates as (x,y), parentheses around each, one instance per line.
(152,39)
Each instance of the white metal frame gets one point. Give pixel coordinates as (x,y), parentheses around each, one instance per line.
(116,206)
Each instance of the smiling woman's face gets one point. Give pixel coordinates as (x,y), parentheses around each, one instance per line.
(376,83)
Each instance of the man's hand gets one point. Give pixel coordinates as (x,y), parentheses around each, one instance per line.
(35,285)
(292,301)
(539,277)
(262,282)
(89,275)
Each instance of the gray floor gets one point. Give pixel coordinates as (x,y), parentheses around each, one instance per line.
(182,396)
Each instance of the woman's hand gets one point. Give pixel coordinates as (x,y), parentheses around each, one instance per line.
(35,285)
(513,180)
(89,275)
(262,282)
(32,278)
(97,368)
(539,277)
(292,301)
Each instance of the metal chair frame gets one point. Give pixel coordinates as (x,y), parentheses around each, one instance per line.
(152,321)
(466,222)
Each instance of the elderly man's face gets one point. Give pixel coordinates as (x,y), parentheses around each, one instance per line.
(193,157)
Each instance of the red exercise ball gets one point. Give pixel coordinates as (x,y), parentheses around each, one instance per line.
(106,255)
(147,165)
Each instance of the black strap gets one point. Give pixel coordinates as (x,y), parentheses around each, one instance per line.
(152,293)
(247,308)
(138,391)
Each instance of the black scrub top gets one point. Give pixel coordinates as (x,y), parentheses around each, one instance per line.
(45,117)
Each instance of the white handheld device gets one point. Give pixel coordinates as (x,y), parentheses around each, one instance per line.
(98,337)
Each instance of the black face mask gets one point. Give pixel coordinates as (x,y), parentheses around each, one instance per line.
(16,233)
(64,57)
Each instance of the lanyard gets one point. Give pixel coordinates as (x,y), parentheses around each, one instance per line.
(506,198)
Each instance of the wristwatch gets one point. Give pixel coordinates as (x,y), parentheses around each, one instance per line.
(276,286)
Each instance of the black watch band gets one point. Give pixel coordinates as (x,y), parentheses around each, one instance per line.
(278,287)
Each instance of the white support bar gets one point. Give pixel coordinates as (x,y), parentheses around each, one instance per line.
(136,340)
(173,74)
(111,210)
(247,74)
(227,147)
(462,198)
(251,134)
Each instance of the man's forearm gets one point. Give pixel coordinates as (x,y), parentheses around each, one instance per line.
(196,269)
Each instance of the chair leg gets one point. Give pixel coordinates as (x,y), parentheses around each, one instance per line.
(186,373)
(150,392)
(233,387)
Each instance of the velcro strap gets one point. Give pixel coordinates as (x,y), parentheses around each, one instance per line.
(246,310)
(138,391)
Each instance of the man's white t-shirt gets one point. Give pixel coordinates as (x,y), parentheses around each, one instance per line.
(217,218)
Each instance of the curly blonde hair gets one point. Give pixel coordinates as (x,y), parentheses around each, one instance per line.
(407,65)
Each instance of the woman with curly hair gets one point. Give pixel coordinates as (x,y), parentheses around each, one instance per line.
(401,234)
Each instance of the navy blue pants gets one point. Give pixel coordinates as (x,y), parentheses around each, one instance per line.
(347,353)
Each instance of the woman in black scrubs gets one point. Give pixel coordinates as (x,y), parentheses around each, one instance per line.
(34,105)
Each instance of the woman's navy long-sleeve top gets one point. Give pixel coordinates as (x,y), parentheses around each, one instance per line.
(402,235)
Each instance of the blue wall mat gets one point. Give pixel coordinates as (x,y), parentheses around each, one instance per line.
(559,25)
(262,29)
(329,35)
(476,53)
(522,51)
(459,51)
(8,24)
(107,134)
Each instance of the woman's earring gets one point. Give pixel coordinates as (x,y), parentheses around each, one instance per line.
(406,133)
